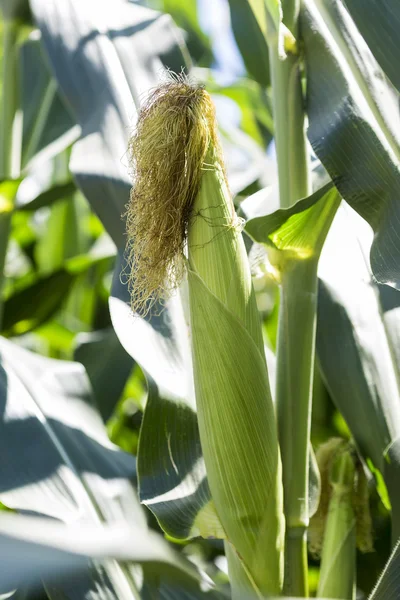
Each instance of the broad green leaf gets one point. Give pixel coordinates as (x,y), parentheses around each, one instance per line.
(107,364)
(37,302)
(379,22)
(354,125)
(172,478)
(358,346)
(104,57)
(246,26)
(33,548)
(57,459)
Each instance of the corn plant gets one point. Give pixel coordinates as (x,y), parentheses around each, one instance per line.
(248,293)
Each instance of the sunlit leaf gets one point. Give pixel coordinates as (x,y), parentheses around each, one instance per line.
(66,467)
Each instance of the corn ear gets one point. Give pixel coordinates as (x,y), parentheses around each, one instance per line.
(181,216)
(235,412)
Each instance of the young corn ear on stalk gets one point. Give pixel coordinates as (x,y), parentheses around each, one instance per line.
(342,521)
(181,220)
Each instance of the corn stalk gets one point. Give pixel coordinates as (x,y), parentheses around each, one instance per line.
(297,312)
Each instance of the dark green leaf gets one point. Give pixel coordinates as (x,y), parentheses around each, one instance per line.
(30,307)
(185,15)
(48,197)
(354,125)
(36,303)
(388,586)
(16,9)
(379,23)
(253,102)
(250,40)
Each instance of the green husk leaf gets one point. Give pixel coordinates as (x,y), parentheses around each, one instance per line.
(238,433)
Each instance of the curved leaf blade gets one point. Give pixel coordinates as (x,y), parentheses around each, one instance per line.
(354,125)
(246,26)
(388,586)
(66,468)
(107,364)
(48,127)
(379,23)
(48,549)
(358,343)
(300,230)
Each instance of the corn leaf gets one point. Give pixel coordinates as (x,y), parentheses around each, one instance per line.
(388,585)
(246,26)
(298,232)
(107,364)
(358,346)
(379,22)
(353,114)
(16,9)
(48,128)
(47,197)
(8,191)
(34,548)
(185,15)
(254,105)
(34,304)
(66,467)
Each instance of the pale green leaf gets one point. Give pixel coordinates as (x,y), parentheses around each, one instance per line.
(231,379)
(296,233)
